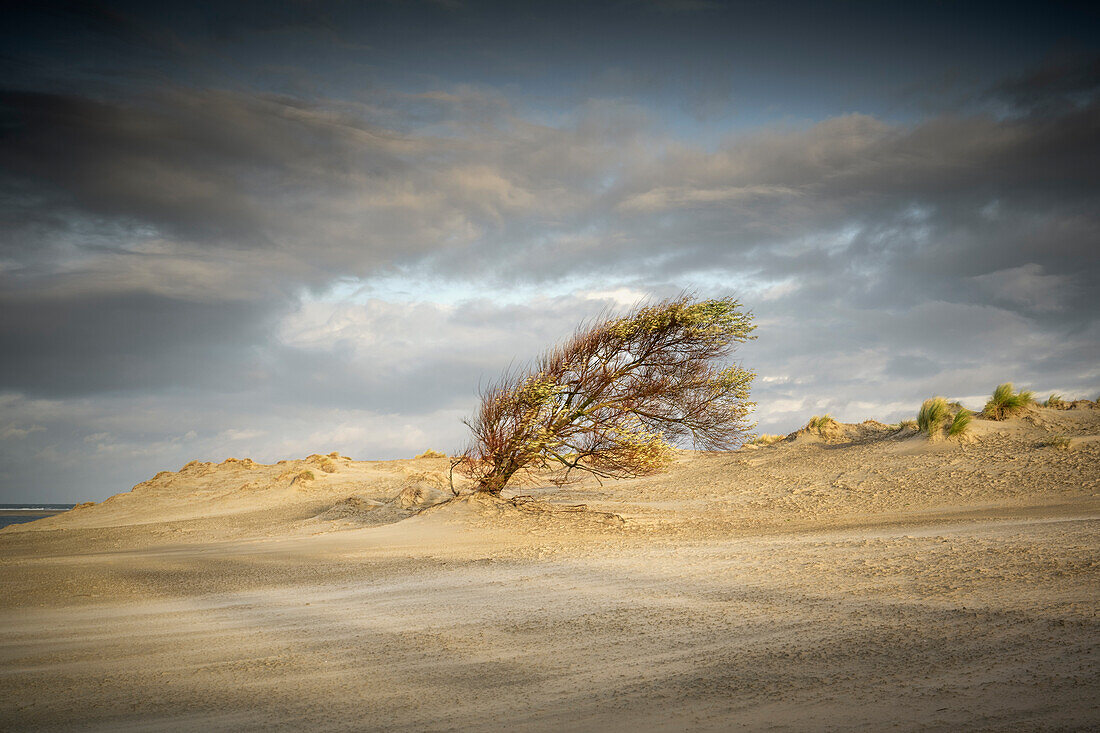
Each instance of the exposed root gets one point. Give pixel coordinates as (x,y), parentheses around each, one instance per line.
(525,503)
(530,504)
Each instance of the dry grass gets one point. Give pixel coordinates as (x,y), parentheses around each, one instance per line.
(1060,442)
(766,439)
(432,454)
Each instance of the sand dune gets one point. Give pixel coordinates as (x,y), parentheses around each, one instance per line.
(861,577)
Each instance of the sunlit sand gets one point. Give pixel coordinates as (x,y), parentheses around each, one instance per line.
(863,578)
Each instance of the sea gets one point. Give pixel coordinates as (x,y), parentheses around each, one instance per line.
(16,513)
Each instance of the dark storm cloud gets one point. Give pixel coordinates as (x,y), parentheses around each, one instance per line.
(204,166)
(1068,81)
(128,342)
(253,197)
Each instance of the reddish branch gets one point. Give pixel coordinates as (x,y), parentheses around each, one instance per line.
(614,399)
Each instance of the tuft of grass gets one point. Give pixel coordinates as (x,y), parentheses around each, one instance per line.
(432,454)
(933,414)
(305,476)
(766,439)
(1055,400)
(908,425)
(1005,403)
(818,424)
(1059,442)
(961,423)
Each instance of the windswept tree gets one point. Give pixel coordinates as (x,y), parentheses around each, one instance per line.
(614,399)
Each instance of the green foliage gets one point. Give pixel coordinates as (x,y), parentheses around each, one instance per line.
(1060,442)
(766,439)
(933,414)
(616,398)
(817,424)
(1005,403)
(305,476)
(908,425)
(715,321)
(1055,400)
(961,423)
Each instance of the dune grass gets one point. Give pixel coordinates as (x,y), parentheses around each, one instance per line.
(432,454)
(961,422)
(766,439)
(1059,442)
(1055,400)
(933,414)
(817,424)
(1005,402)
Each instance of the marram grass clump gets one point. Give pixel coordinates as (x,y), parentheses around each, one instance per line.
(1005,402)
(960,423)
(933,414)
(766,439)
(936,414)
(432,454)
(819,423)
(1060,442)
(1055,400)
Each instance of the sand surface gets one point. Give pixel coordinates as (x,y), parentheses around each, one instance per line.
(863,579)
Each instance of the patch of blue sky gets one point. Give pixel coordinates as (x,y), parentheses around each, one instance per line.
(418,287)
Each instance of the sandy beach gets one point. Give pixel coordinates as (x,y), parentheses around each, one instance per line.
(865,578)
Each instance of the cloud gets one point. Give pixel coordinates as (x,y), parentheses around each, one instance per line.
(12,431)
(1029,287)
(87,344)
(663,198)
(194,271)
(1066,81)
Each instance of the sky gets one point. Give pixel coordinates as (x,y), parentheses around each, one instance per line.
(271,229)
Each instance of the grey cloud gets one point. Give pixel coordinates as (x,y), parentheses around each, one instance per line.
(413,358)
(318,192)
(1066,81)
(167,261)
(73,346)
(89,448)
(204,166)
(852,209)
(303,192)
